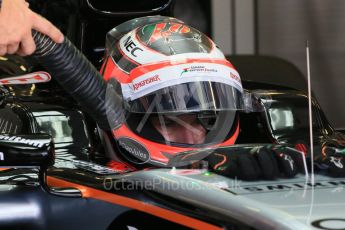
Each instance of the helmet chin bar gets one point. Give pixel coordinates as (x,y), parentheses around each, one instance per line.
(138,150)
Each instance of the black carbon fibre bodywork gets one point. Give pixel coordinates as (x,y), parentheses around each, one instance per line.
(29,207)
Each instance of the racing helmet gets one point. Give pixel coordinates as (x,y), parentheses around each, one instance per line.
(168,72)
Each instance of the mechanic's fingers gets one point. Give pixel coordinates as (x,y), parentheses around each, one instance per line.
(27,46)
(44,26)
(3,50)
(12,48)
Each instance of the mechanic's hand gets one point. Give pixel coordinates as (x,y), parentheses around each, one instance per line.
(256,163)
(16,24)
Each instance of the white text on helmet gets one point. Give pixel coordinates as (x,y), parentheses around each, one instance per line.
(131,46)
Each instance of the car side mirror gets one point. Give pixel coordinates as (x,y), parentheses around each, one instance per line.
(32,151)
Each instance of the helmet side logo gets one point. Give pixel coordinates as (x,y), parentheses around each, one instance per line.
(185,70)
(139,153)
(198,69)
(147,81)
(131,46)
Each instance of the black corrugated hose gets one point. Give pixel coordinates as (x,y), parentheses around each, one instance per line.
(71,69)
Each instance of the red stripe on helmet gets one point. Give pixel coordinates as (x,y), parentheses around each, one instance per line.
(111,70)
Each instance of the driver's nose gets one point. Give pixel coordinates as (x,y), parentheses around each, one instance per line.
(187,136)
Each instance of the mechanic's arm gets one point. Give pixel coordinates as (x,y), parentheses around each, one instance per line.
(16,24)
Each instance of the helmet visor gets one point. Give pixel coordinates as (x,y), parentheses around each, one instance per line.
(189,97)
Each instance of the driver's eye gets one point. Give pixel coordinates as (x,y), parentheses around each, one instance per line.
(195,121)
(168,122)
(207,121)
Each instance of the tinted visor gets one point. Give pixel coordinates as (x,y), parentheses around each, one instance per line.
(189,97)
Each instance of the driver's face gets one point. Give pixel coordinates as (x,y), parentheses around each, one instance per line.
(184,129)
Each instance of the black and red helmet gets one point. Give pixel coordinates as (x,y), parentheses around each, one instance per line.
(163,69)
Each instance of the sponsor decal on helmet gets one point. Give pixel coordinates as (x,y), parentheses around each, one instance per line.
(136,51)
(198,69)
(137,150)
(147,81)
(131,46)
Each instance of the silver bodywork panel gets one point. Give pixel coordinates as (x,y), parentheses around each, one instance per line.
(280,204)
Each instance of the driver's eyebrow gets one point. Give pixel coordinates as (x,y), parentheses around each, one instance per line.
(185,124)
